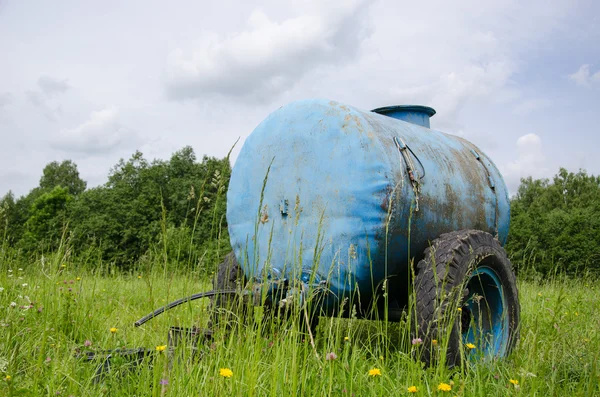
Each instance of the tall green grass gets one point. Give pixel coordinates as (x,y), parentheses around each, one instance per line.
(58,307)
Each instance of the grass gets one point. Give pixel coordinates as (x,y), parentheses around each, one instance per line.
(56,311)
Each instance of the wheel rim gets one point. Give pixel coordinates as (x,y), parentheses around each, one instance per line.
(484,319)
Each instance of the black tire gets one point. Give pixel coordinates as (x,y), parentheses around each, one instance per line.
(466,269)
(229,276)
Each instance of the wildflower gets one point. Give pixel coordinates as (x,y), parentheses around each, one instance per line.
(1,289)
(24,285)
(346,338)
(87,343)
(375,372)
(413,389)
(434,342)
(225,372)
(161,348)
(470,346)
(20,269)
(7,378)
(10,270)
(444,387)
(63,265)
(417,341)
(78,278)
(330,356)
(48,359)
(13,304)
(514,382)
(113,330)
(539,294)
(164,381)
(459,309)
(381,358)
(139,276)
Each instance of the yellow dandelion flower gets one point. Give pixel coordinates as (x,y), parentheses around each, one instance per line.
(346,338)
(381,358)
(8,378)
(444,387)
(139,276)
(459,309)
(63,265)
(413,389)
(470,346)
(78,278)
(514,382)
(374,372)
(113,330)
(161,348)
(225,372)
(434,342)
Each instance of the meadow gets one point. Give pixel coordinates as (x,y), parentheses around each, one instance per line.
(52,310)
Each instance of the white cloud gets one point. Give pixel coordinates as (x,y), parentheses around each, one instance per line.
(51,86)
(530,161)
(100,134)
(583,76)
(45,99)
(48,108)
(269,57)
(531,105)
(453,90)
(6,99)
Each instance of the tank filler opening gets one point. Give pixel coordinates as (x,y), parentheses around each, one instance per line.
(415,114)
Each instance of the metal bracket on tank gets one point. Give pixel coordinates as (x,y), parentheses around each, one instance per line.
(410,168)
(492,186)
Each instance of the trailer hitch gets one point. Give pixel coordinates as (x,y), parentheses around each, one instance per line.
(296,296)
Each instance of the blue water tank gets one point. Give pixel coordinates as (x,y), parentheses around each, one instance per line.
(324,191)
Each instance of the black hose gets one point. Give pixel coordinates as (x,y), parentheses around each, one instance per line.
(183,300)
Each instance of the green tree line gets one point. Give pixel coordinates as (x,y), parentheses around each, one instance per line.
(174,210)
(555,224)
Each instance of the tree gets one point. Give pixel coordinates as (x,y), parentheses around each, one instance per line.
(7,216)
(63,174)
(557,223)
(48,217)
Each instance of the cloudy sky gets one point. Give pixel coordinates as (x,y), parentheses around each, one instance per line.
(93,81)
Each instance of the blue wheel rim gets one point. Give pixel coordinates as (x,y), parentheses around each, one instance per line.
(488,321)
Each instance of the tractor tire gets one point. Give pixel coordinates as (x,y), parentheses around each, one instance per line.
(226,307)
(467,303)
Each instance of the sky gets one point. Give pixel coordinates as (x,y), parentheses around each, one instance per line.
(95,81)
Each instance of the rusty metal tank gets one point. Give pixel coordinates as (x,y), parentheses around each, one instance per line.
(324,191)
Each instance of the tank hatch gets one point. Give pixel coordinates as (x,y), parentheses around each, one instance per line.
(415,114)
